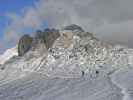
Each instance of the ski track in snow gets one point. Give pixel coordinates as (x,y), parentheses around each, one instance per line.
(124,79)
(36,87)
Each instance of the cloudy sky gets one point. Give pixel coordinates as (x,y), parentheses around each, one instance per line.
(110,20)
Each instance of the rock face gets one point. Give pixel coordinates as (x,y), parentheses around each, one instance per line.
(48,36)
(73,27)
(24,44)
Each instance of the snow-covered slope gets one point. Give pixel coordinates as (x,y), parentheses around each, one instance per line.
(8,54)
(37,87)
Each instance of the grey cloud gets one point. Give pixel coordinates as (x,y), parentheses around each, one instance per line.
(109,19)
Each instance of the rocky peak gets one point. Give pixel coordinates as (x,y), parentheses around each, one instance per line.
(73,27)
(48,36)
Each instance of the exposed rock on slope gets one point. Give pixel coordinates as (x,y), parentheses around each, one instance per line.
(73,27)
(48,36)
(24,44)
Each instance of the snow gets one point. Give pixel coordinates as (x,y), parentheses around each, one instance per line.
(37,87)
(8,54)
(124,79)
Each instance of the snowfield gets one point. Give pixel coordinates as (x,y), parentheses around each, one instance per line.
(124,79)
(37,87)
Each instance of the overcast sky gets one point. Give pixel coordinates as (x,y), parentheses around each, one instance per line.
(110,20)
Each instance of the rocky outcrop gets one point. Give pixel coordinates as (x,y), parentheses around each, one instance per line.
(42,39)
(48,36)
(24,44)
(73,27)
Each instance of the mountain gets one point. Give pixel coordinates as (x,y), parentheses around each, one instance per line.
(71,53)
(68,62)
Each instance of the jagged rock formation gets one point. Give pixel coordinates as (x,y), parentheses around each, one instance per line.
(42,39)
(48,36)
(73,27)
(24,44)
